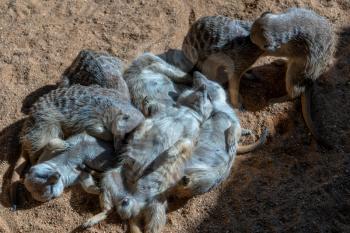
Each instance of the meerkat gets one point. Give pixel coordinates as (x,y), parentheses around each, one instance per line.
(165,127)
(307,40)
(212,159)
(177,58)
(61,164)
(217,146)
(67,111)
(144,201)
(167,135)
(150,76)
(218,99)
(221,49)
(98,68)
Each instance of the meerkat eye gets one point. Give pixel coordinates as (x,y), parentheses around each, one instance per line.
(125,202)
(126,117)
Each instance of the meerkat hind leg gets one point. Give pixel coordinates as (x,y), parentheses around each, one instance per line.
(175,74)
(233,88)
(134,226)
(100,132)
(106,205)
(18,170)
(88,183)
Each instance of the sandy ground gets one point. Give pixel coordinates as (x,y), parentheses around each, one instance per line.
(290,185)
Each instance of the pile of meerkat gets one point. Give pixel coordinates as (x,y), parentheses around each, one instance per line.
(163,126)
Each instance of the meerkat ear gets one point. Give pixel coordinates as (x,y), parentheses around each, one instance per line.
(265,13)
(57,144)
(198,79)
(126,117)
(53,179)
(202,88)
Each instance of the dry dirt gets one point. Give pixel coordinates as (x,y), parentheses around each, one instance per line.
(290,185)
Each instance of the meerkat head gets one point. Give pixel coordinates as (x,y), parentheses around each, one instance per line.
(125,123)
(126,204)
(262,32)
(198,100)
(128,207)
(44,182)
(215,92)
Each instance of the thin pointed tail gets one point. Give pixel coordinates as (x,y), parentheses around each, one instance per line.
(241,149)
(306,110)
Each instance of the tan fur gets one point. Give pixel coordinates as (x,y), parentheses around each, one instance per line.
(221,49)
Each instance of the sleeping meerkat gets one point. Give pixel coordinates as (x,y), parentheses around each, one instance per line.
(217,146)
(90,67)
(166,137)
(212,159)
(145,200)
(66,111)
(164,128)
(221,49)
(150,76)
(307,40)
(148,202)
(60,165)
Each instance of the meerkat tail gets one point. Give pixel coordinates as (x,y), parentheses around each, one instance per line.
(134,227)
(306,110)
(15,179)
(95,219)
(241,149)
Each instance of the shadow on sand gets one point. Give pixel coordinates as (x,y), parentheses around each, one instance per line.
(288,187)
(10,150)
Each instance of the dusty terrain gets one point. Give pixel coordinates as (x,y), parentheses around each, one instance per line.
(290,185)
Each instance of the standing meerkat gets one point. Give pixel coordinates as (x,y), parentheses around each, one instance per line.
(221,49)
(66,111)
(307,40)
(90,67)
(150,76)
(60,166)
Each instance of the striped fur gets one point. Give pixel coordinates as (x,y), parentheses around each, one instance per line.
(90,67)
(221,49)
